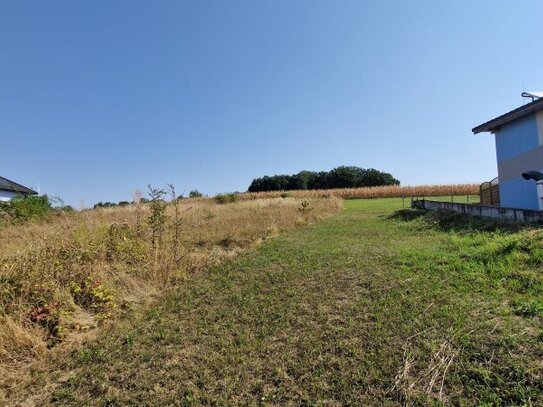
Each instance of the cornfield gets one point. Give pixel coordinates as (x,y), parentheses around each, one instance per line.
(392,191)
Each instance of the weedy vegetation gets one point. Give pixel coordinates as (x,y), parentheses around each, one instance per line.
(25,208)
(63,276)
(227,198)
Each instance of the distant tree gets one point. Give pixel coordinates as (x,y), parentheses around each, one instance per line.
(105,204)
(306,179)
(318,181)
(195,194)
(345,177)
(339,177)
(372,178)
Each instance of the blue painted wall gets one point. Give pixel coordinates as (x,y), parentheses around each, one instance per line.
(512,140)
(516,137)
(519,193)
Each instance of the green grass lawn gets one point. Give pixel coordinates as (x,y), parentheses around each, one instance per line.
(369,307)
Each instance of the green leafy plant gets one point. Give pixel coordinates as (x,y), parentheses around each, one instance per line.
(530,309)
(93,295)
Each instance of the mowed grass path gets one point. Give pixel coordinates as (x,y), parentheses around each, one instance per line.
(359,309)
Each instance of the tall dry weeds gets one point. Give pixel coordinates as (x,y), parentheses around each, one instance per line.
(63,277)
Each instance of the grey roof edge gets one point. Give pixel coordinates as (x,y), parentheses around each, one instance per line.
(514,114)
(9,185)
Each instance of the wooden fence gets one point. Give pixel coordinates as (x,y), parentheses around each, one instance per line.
(490,193)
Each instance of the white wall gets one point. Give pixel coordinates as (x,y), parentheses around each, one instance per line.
(6,196)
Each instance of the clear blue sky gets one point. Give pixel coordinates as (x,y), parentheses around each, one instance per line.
(98,98)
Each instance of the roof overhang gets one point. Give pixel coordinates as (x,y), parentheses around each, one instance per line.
(8,185)
(495,124)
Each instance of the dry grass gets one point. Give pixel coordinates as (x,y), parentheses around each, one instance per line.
(62,278)
(393,191)
(410,384)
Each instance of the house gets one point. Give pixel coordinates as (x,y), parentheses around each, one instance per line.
(9,189)
(519,152)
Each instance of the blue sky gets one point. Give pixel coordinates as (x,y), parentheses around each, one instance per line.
(100,98)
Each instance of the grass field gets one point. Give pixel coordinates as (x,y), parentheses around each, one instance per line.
(369,307)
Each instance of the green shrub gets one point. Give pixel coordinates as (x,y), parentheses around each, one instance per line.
(26,207)
(122,245)
(226,198)
(92,295)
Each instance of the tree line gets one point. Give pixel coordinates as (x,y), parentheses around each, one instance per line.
(339,177)
(192,194)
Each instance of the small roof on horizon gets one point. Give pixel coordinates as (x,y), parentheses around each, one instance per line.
(9,185)
(494,124)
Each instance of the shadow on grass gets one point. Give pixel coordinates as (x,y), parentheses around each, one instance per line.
(460,222)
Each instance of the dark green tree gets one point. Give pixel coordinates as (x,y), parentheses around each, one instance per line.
(340,177)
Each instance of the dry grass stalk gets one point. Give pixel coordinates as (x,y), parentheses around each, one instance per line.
(411,381)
